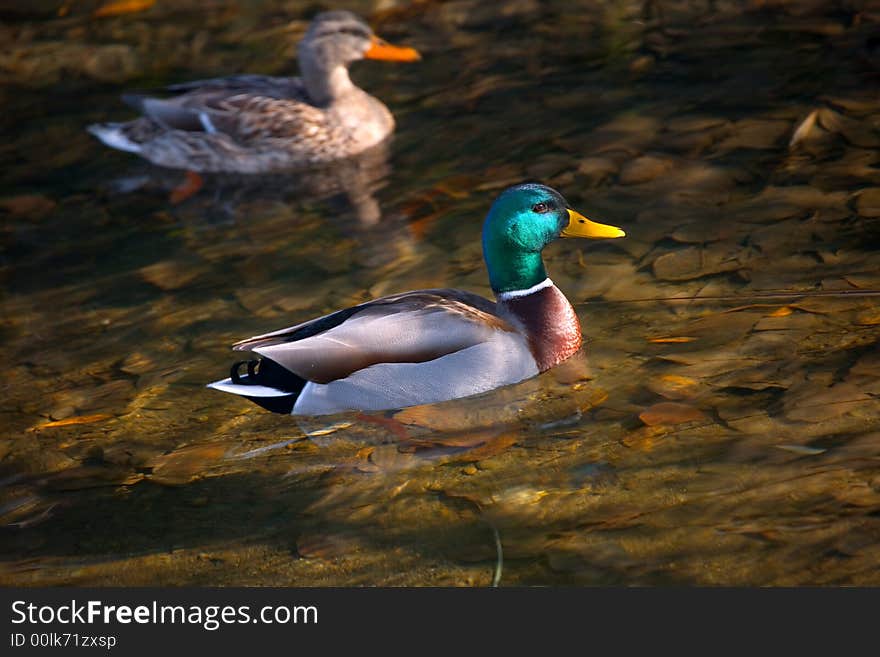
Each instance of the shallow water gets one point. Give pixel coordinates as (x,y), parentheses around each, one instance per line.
(721,426)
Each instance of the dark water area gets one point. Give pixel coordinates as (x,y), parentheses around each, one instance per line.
(721,426)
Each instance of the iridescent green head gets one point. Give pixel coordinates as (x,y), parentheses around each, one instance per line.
(522,221)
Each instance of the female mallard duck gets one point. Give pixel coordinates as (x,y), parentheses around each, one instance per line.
(258,123)
(431,345)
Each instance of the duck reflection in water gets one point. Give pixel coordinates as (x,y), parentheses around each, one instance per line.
(348,187)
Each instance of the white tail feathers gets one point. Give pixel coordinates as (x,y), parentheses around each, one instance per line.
(110,134)
(226,385)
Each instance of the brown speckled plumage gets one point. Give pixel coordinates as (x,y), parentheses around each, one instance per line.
(257,124)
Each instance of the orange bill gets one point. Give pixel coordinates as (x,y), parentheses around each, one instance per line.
(381,49)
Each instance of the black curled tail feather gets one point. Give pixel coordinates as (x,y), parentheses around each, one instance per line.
(266,372)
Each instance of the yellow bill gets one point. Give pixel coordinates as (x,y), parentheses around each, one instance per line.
(580,226)
(381,49)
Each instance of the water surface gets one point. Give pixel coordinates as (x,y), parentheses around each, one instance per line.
(721,426)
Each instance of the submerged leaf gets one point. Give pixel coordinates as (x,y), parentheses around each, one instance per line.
(673,386)
(670,413)
(187,463)
(803,130)
(79,419)
(804,450)
(122,7)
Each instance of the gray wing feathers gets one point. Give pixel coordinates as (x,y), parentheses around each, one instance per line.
(171,114)
(368,338)
(465,303)
(277,107)
(408,328)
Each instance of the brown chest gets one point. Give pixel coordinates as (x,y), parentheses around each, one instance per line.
(550,323)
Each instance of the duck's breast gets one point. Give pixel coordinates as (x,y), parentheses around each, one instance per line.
(365,118)
(549,321)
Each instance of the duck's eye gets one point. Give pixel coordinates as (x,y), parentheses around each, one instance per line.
(541,207)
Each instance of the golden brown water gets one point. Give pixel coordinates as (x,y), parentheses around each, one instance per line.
(722,427)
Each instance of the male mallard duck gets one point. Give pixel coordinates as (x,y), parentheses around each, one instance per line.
(258,123)
(428,346)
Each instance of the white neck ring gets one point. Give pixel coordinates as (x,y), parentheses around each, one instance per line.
(516,294)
